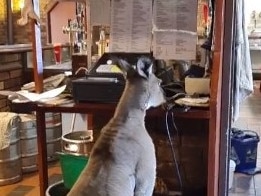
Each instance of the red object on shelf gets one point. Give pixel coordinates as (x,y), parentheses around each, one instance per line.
(205,11)
(57,53)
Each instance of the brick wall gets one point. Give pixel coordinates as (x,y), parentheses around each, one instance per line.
(10,77)
(22,35)
(190,149)
(10,64)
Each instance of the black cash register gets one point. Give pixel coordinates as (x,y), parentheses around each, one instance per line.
(104,82)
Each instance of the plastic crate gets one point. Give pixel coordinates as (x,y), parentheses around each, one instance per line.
(244,149)
(71,166)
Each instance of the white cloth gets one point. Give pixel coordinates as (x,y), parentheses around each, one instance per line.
(243,79)
(6,121)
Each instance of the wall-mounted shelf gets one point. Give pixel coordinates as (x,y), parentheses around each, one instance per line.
(256,48)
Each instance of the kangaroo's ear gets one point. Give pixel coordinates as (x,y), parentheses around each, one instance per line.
(144,67)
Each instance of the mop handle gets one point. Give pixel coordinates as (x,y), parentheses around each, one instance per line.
(73,122)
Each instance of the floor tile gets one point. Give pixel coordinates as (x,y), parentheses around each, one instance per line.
(257,181)
(54,178)
(20,190)
(249,119)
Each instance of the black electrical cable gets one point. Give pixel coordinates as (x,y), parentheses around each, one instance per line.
(172,148)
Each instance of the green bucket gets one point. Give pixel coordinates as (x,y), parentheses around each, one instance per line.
(72,166)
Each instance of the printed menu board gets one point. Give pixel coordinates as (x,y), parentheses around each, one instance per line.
(173,24)
(175,29)
(175,14)
(174,45)
(131,26)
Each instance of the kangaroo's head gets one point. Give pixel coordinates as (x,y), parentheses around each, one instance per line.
(142,81)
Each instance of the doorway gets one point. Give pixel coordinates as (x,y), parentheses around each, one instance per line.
(248,119)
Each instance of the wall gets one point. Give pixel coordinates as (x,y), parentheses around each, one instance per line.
(59,18)
(190,147)
(11,70)
(21,34)
(252,5)
(10,77)
(253,22)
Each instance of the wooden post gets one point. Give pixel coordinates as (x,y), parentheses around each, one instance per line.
(89,32)
(37,51)
(90,122)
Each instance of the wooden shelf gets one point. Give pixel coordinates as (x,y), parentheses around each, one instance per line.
(19,48)
(255,48)
(191,113)
(195,114)
(254,37)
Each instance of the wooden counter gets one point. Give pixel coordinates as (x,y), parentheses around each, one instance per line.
(92,109)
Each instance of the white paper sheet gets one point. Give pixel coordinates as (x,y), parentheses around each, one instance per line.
(175,14)
(175,29)
(131,26)
(174,45)
(26,95)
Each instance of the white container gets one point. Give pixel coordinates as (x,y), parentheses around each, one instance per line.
(197,86)
(76,123)
(232,167)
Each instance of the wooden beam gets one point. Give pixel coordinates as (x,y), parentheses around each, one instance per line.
(37,51)
(215,100)
(89,32)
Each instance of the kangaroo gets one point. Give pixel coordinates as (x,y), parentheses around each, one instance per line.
(122,161)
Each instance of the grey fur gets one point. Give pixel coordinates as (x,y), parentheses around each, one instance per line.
(122,161)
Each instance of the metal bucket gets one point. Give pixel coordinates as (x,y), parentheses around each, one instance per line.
(10,158)
(77,143)
(53,135)
(28,136)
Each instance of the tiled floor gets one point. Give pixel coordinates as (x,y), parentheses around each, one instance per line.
(243,185)
(249,119)
(29,186)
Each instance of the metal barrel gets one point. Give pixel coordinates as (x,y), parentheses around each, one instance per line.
(53,135)
(28,139)
(10,158)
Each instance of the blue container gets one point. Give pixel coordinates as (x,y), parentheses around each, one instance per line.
(244,150)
